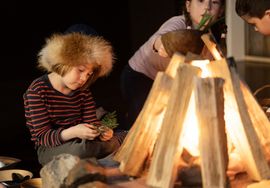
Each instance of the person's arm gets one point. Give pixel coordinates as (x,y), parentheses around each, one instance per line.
(38,121)
(172,24)
(82,131)
(89,115)
(87,129)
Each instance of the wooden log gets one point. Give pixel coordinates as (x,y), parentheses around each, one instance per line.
(137,183)
(163,168)
(147,126)
(213,143)
(238,123)
(191,57)
(176,60)
(142,137)
(262,184)
(212,46)
(258,118)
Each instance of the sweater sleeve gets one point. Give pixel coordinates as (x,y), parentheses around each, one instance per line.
(38,121)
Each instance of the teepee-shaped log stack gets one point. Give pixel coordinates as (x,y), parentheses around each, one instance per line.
(225,108)
(140,141)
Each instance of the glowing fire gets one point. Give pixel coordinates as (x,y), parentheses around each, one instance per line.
(190,137)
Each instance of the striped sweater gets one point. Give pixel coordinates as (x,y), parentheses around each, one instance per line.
(48,112)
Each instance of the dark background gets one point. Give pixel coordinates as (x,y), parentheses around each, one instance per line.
(24,27)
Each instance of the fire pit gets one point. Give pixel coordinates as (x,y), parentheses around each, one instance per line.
(210,101)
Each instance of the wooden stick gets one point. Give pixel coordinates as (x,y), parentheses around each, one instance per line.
(213,142)
(147,125)
(238,123)
(211,45)
(138,145)
(176,60)
(258,118)
(162,172)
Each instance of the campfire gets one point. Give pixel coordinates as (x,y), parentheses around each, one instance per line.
(204,108)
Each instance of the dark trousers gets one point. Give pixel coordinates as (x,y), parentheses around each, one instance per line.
(82,148)
(135,88)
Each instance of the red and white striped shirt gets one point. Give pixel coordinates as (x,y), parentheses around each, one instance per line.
(48,111)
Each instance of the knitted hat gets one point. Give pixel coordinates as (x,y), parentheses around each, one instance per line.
(76,48)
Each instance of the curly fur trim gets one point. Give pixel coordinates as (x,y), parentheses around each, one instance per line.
(74,49)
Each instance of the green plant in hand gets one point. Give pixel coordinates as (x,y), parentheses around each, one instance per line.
(110,120)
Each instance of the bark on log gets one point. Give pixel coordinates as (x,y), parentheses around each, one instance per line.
(213,143)
(259,119)
(140,140)
(238,123)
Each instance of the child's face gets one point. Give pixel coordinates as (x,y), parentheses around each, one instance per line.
(196,9)
(261,25)
(77,76)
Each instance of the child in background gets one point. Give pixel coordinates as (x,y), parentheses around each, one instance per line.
(256,13)
(138,75)
(59,108)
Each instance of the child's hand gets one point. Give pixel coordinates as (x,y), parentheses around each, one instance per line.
(86,131)
(106,134)
(162,52)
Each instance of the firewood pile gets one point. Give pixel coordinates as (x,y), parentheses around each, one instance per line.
(204,102)
(228,117)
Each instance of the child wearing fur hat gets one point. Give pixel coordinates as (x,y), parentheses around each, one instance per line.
(59,108)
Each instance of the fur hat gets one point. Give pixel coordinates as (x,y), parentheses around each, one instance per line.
(76,48)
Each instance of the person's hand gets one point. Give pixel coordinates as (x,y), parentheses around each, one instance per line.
(162,52)
(86,131)
(106,134)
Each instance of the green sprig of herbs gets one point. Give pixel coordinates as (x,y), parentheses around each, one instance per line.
(110,120)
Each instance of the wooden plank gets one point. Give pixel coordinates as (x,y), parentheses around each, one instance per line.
(147,125)
(259,119)
(191,57)
(213,143)
(238,123)
(212,46)
(262,184)
(140,140)
(175,62)
(163,168)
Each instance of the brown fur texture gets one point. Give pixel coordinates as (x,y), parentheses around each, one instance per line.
(182,41)
(75,49)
